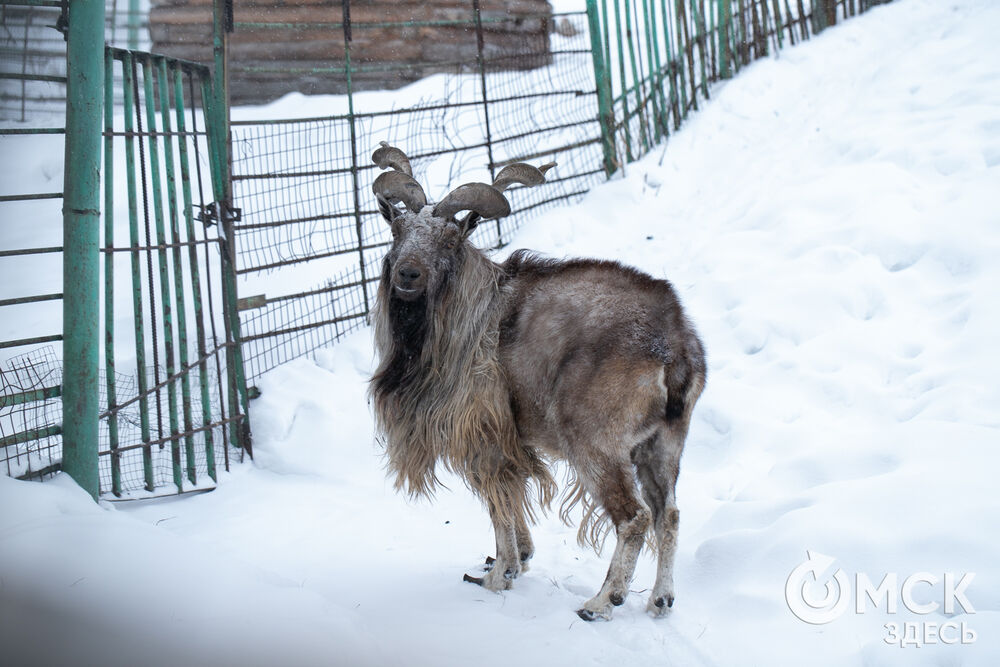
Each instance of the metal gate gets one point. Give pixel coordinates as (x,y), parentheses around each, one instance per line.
(146,395)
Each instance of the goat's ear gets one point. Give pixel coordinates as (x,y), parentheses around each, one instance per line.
(388,211)
(469,224)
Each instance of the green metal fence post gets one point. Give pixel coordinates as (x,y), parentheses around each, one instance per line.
(109,271)
(133,24)
(606,114)
(218,115)
(81,240)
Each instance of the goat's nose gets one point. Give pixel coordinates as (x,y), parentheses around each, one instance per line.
(409,273)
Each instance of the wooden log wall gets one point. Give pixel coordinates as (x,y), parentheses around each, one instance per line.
(183,29)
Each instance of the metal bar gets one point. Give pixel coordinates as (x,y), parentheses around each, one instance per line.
(778,37)
(21,342)
(698,9)
(303,327)
(643,132)
(30,3)
(133,24)
(222,25)
(326,172)
(109,269)
(309,258)
(41,195)
(30,251)
(163,265)
(358,230)
(477,16)
(32,396)
(629,156)
(653,62)
(332,25)
(81,238)
(163,246)
(688,51)
(725,24)
(206,96)
(30,299)
(162,441)
(33,77)
(130,89)
(790,24)
(144,56)
(671,68)
(396,112)
(206,405)
(163,383)
(37,434)
(605,113)
(178,270)
(32,130)
(393,67)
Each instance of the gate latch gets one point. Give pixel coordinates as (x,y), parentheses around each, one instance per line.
(209,214)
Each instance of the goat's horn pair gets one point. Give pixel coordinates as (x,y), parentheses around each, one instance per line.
(397,185)
(488,201)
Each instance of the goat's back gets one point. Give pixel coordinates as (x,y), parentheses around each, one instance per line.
(595,335)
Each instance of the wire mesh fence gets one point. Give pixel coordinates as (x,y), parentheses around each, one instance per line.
(33,51)
(304,185)
(310,240)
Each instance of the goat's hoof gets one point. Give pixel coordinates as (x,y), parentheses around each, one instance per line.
(616,599)
(509,574)
(472,580)
(525,556)
(658,606)
(490,560)
(591,615)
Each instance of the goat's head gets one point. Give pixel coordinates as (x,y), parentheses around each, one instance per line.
(428,239)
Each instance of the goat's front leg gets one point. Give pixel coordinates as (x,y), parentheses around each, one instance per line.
(507,565)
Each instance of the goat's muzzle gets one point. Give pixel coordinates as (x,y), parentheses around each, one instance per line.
(409,281)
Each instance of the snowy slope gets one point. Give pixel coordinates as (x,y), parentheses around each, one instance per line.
(830,220)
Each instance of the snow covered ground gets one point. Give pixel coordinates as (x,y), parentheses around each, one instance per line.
(831,222)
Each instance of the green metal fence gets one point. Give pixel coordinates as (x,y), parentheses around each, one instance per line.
(613,82)
(142,389)
(654,59)
(186,414)
(148,283)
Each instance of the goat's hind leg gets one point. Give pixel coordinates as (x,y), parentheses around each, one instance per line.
(657,463)
(617,492)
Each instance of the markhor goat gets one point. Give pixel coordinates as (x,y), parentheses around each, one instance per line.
(493,369)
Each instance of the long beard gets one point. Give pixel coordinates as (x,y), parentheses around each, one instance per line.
(409,323)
